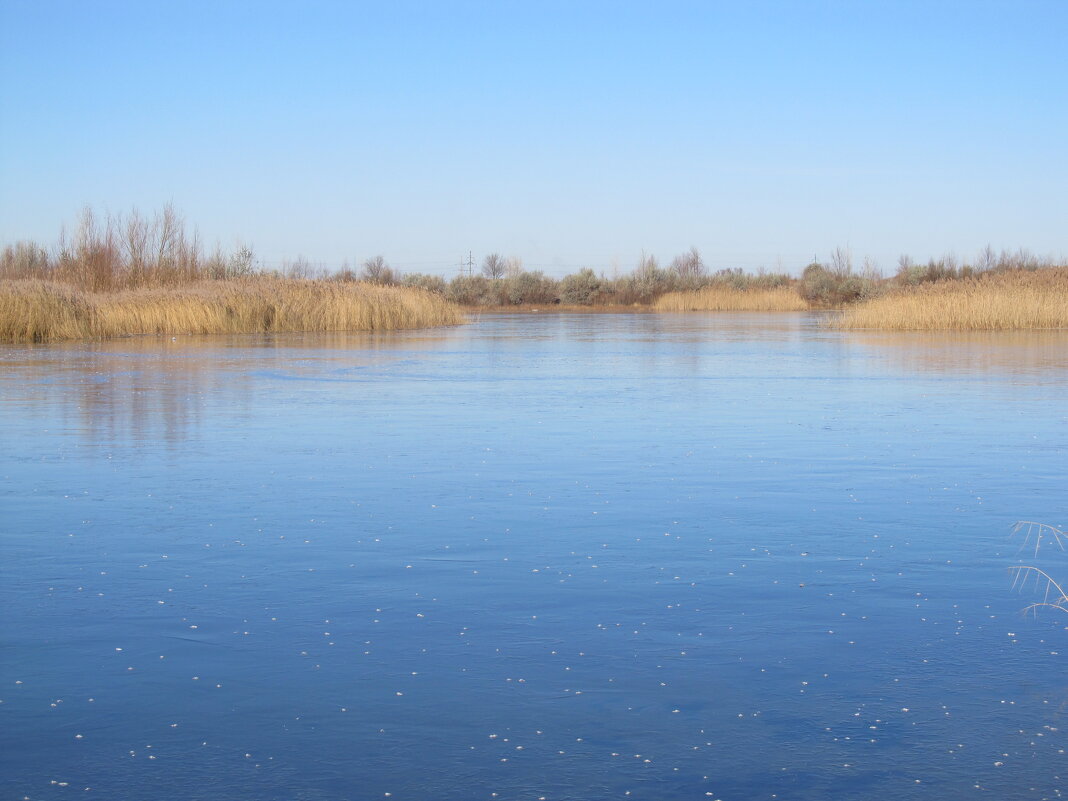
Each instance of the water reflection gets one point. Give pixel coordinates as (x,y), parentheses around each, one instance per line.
(161,388)
(1011,352)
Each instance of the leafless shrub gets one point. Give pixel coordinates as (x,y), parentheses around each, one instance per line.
(24,260)
(871,272)
(299,268)
(114,252)
(986,259)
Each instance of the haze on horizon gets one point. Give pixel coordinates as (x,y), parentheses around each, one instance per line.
(565,134)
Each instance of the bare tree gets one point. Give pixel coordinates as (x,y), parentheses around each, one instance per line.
(241,261)
(299,268)
(24,260)
(493,266)
(689,264)
(377,271)
(170,235)
(842,262)
(648,267)
(871,271)
(136,235)
(96,258)
(986,260)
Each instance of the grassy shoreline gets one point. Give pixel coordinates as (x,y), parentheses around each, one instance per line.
(49,311)
(137,274)
(1008,301)
(46,311)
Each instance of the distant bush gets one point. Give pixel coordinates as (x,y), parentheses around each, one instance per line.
(580,289)
(947,267)
(474,290)
(431,283)
(345,274)
(648,282)
(737,278)
(943,269)
(764,280)
(817,284)
(821,286)
(531,287)
(732,278)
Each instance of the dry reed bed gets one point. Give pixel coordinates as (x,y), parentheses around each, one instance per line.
(42,311)
(1014,300)
(716,298)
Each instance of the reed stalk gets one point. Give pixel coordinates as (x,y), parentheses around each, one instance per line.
(1035,579)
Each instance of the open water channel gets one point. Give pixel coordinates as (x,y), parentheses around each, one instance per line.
(561,557)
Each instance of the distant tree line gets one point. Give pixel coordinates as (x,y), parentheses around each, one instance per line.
(838,282)
(134,250)
(504,282)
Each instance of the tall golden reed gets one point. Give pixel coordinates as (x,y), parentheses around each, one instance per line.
(1014,300)
(43,311)
(721,298)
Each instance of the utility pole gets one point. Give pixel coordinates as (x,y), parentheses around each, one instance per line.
(467,266)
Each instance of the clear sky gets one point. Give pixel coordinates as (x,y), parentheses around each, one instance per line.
(568,134)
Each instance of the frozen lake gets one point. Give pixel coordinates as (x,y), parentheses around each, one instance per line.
(561,557)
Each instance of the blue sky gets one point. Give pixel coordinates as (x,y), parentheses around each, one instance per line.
(566,134)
